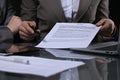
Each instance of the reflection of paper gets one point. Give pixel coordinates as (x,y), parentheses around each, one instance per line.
(70,35)
(68,54)
(38,66)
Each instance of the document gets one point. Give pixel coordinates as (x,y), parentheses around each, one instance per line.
(37,66)
(69,35)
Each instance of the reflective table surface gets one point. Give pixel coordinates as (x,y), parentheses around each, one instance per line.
(97,66)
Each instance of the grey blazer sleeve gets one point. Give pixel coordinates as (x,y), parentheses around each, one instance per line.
(9,10)
(6,11)
(6,37)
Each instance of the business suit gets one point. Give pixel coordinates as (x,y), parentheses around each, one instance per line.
(6,12)
(48,13)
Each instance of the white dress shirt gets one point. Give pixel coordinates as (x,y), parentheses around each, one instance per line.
(70,8)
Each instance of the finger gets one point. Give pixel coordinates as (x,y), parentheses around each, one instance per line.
(23,34)
(32,24)
(26,35)
(101,22)
(23,29)
(27,27)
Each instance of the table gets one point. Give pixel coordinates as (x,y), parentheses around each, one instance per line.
(97,67)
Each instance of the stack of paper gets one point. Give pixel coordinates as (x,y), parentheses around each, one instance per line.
(36,65)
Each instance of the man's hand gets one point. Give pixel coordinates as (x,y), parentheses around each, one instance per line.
(107,27)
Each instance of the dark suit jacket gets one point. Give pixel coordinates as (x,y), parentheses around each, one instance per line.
(48,12)
(6,12)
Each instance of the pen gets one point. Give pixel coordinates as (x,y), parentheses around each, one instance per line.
(16,60)
(5,54)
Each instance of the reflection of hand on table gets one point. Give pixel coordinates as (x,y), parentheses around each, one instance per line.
(16,48)
(20,48)
(103,60)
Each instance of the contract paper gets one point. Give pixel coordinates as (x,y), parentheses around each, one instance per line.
(37,66)
(69,35)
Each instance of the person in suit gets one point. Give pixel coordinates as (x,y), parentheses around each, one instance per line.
(42,15)
(9,23)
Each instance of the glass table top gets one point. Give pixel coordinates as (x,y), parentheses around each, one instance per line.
(97,66)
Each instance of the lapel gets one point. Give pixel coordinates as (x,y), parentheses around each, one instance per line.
(57,9)
(83,7)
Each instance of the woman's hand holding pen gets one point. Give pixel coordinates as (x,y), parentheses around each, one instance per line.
(27,30)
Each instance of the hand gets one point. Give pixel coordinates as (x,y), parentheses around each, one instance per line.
(26,30)
(14,24)
(107,27)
